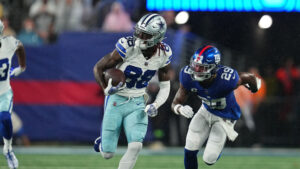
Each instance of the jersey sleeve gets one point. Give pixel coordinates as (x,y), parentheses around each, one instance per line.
(185,78)
(166,49)
(13,42)
(123,45)
(231,78)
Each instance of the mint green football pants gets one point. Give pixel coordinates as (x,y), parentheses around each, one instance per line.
(123,111)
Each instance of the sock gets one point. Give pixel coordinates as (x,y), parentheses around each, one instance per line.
(7,131)
(190,159)
(129,158)
(7,125)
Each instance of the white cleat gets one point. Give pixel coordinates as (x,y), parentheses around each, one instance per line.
(12,161)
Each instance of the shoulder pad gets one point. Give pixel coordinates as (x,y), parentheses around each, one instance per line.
(185,77)
(167,53)
(123,44)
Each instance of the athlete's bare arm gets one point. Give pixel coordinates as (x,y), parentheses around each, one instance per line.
(108,61)
(163,73)
(180,97)
(20,52)
(248,78)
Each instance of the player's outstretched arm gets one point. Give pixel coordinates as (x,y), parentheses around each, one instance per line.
(20,52)
(250,81)
(164,91)
(180,98)
(108,61)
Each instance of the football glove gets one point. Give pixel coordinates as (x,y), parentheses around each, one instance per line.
(16,71)
(185,111)
(110,89)
(151,110)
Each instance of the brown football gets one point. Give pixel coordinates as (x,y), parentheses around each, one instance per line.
(116,75)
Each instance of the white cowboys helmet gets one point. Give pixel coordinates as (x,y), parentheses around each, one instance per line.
(149,31)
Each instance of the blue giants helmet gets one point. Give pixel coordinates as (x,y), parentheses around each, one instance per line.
(204,62)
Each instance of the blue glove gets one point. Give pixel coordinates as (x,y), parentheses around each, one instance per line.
(151,110)
(110,89)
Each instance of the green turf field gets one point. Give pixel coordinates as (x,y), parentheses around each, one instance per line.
(55,159)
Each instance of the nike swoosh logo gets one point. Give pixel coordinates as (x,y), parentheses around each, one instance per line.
(138,103)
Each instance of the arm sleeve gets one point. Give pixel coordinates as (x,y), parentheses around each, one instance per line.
(163,93)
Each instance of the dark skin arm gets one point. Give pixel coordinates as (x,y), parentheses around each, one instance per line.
(180,97)
(248,78)
(20,52)
(108,61)
(163,73)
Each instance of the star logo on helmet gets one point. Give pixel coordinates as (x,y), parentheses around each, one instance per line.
(161,25)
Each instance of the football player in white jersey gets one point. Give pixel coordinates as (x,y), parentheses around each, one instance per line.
(8,46)
(139,57)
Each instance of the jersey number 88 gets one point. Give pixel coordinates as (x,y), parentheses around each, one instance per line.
(137,78)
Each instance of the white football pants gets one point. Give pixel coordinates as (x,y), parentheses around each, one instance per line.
(206,126)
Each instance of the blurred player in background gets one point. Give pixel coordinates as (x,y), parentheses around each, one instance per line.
(214,85)
(139,57)
(8,46)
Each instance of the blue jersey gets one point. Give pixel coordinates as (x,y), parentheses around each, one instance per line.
(218,98)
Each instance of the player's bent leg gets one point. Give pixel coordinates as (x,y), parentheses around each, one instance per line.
(129,158)
(196,136)
(215,144)
(111,127)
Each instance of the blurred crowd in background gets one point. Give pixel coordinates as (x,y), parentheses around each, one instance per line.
(270,118)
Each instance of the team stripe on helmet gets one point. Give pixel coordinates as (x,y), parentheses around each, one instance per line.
(148,18)
(151,19)
(121,50)
(206,47)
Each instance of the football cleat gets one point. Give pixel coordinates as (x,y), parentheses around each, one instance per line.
(97,144)
(12,161)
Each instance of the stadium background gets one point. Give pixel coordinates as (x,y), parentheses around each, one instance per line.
(59,103)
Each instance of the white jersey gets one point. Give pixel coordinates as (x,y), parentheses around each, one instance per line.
(8,46)
(137,69)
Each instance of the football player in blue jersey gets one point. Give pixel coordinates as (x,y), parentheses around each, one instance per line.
(8,47)
(139,57)
(214,121)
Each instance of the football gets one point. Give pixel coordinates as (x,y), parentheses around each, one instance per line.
(116,75)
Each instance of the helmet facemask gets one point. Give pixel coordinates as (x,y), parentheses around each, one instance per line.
(202,72)
(149,31)
(143,40)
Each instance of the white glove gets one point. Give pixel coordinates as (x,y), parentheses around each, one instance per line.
(151,110)
(16,71)
(185,110)
(110,89)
